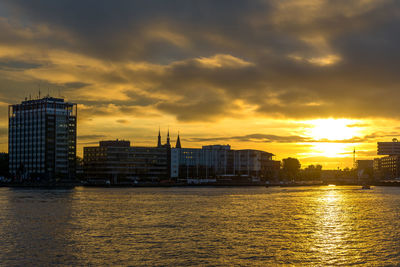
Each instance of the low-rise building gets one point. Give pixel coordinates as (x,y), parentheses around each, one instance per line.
(118,162)
(387,168)
(220,162)
(389,148)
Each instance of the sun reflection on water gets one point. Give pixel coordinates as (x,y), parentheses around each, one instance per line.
(329,234)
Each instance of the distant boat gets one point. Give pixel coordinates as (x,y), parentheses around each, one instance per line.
(366,187)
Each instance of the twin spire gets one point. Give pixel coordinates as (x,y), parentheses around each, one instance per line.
(178,142)
(168,144)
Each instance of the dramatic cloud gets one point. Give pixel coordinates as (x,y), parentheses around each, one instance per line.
(193,59)
(204,61)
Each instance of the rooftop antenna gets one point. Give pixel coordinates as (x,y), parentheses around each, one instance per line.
(39,90)
(354,157)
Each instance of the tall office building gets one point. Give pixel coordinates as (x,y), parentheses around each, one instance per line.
(42,139)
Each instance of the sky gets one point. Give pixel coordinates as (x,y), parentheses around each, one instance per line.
(311,79)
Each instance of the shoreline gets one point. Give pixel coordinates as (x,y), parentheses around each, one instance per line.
(162,185)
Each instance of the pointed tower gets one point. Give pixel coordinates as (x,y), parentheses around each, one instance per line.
(178,142)
(168,143)
(159,138)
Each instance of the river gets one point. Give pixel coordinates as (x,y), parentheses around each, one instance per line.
(327,225)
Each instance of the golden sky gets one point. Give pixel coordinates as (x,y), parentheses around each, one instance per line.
(310,79)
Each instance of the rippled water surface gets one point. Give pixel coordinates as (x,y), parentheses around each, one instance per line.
(200,226)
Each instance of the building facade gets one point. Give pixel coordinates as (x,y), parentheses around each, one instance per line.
(389,148)
(42,139)
(118,162)
(387,168)
(220,162)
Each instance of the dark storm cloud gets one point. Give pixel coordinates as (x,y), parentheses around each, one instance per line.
(292,59)
(17,65)
(119,30)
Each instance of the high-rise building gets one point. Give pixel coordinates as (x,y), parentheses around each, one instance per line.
(42,139)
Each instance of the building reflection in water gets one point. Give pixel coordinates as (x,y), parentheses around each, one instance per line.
(35,227)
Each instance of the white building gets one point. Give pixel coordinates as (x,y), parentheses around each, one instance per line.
(222,163)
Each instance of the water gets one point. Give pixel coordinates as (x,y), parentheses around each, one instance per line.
(200,226)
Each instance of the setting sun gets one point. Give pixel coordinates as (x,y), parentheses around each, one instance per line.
(331,137)
(332,129)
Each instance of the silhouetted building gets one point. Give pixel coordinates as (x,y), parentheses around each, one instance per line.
(118,162)
(4,170)
(159,144)
(178,142)
(387,168)
(42,139)
(389,148)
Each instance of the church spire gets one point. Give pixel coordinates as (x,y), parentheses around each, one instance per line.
(168,143)
(159,138)
(178,142)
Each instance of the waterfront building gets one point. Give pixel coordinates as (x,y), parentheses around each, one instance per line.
(389,148)
(42,139)
(220,162)
(387,168)
(118,162)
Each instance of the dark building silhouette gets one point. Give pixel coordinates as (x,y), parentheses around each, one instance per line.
(118,162)
(388,167)
(159,139)
(42,139)
(4,171)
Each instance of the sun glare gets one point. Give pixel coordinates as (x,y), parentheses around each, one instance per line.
(331,137)
(332,150)
(332,129)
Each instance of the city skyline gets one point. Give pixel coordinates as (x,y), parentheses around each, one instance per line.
(305,79)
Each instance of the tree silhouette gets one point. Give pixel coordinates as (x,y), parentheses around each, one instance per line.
(291,167)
